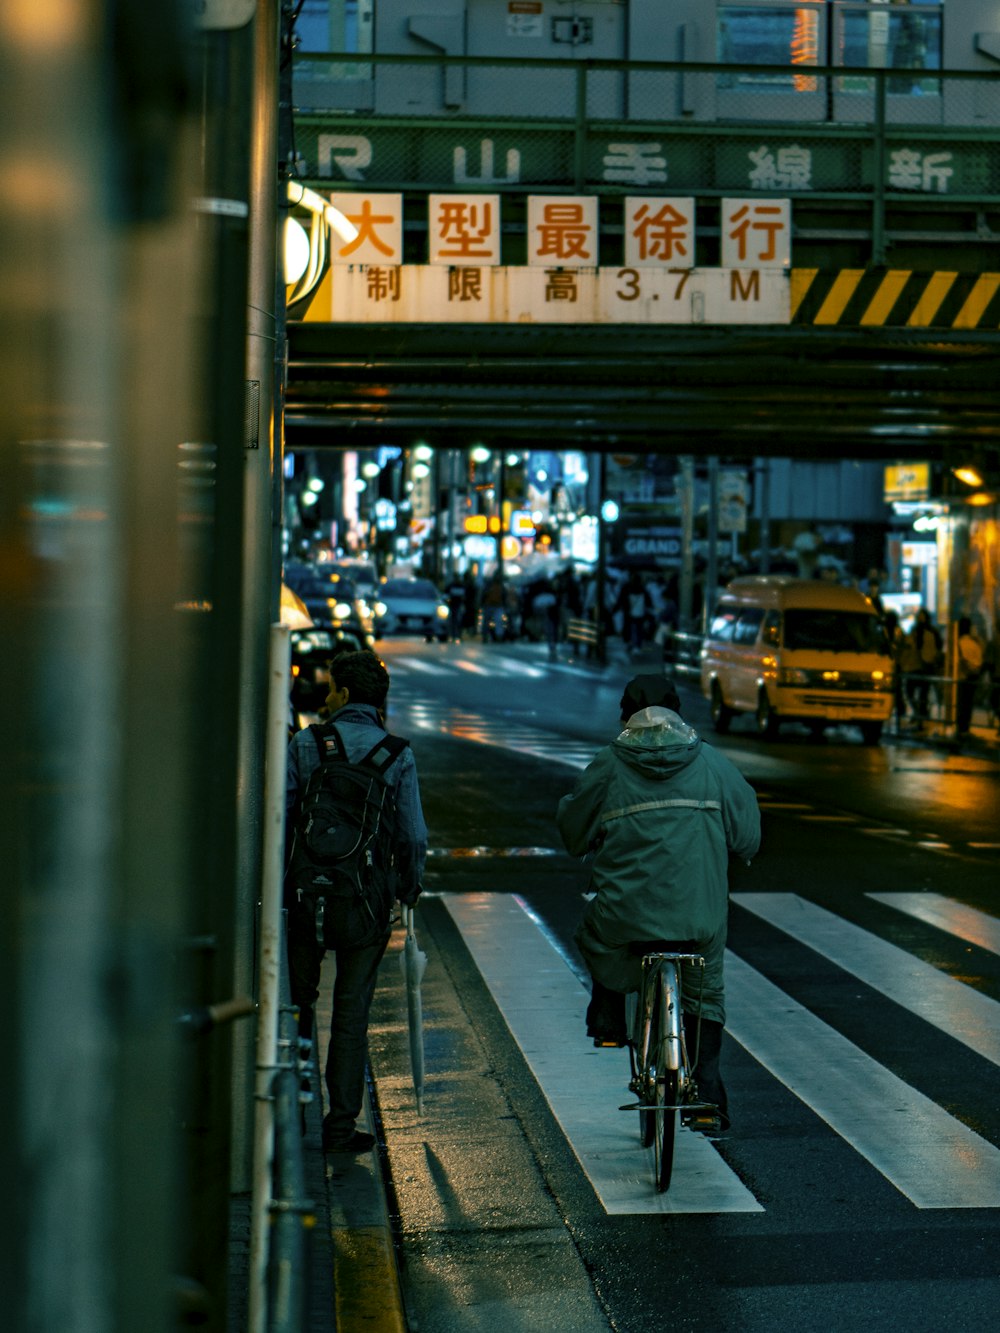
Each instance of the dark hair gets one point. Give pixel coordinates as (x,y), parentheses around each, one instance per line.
(649,692)
(363,674)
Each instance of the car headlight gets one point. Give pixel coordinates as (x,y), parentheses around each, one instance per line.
(341,610)
(380,608)
(442,612)
(793,676)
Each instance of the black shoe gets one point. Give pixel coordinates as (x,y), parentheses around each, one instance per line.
(358,1141)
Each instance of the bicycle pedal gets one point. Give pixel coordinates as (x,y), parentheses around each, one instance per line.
(710,1125)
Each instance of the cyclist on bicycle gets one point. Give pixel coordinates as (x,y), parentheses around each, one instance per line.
(661,811)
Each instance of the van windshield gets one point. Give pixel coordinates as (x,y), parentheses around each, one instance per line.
(834,632)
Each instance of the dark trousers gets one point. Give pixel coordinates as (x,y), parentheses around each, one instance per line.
(353,989)
(965,699)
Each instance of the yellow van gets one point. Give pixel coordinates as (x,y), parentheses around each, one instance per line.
(790,649)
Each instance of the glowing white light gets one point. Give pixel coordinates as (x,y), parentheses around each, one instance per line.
(296,251)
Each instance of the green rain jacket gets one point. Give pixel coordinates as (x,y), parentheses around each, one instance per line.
(661,811)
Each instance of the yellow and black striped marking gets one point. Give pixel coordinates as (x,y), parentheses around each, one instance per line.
(894,298)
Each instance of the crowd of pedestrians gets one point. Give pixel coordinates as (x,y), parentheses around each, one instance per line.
(640,608)
(920,671)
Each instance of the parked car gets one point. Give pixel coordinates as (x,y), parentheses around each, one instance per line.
(411,606)
(341,619)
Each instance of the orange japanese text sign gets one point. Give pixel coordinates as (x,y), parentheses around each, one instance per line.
(379,222)
(659,232)
(562,231)
(464,229)
(756,233)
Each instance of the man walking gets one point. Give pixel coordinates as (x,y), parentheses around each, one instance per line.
(359,685)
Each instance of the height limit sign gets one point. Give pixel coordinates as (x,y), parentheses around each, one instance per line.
(732,515)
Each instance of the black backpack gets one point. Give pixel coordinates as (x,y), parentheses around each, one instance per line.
(342,874)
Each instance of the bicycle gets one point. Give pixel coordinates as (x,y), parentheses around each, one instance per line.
(662,1073)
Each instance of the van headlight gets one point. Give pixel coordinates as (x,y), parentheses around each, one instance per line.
(380,608)
(793,676)
(442,612)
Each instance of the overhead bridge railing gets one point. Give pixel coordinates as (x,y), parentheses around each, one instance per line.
(878,137)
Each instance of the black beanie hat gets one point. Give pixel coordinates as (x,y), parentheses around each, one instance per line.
(649,692)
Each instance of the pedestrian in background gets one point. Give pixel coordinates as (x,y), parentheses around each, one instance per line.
(897,647)
(456,606)
(922,663)
(969,670)
(492,609)
(634,606)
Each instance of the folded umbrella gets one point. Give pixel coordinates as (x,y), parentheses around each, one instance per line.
(413,963)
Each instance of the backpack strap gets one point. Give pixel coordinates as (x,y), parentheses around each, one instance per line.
(384,752)
(329,741)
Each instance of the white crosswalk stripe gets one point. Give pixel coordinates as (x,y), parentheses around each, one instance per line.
(930,1156)
(947,1004)
(955,918)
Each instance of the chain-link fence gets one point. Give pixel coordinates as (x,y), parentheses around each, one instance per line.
(402,122)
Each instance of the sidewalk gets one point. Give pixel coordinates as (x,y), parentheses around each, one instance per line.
(354,1280)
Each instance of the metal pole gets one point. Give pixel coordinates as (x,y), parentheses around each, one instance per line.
(878,166)
(269,966)
(712,562)
(436,511)
(602,559)
(501,481)
(452,520)
(257,567)
(764,472)
(687,541)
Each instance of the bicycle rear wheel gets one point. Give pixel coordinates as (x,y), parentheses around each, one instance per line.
(666,1025)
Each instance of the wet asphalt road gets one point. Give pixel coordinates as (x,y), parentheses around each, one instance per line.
(487,1183)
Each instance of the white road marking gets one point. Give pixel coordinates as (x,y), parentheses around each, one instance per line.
(544,1003)
(928,1155)
(957,919)
(514,666)
(949,1005)
(419,664)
